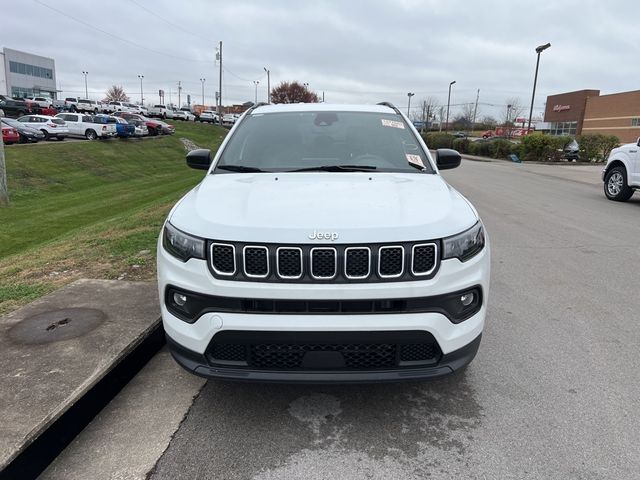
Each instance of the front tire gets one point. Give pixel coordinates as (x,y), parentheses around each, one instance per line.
(45,133)
(91,135)
(615,185)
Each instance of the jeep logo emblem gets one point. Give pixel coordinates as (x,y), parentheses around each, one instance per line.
(316,235)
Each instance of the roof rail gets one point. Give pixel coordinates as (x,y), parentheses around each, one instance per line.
(256,105)
(391,106)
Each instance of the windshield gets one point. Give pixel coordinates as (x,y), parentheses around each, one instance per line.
(287,141)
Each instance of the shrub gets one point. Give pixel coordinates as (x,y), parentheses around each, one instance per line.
(437,140)
(500,148)
(461,145)
(596,147)
(543,148)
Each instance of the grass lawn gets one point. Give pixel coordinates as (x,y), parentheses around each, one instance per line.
(90,209)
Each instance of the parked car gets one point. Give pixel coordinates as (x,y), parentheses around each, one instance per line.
(208,116)
(71,103)
(83,125)
(228,119)
(161,111)
(27,134)
(139,109)
(49,111)
(191,116)
(114,106)
(153,126)
(257,285)
(51,127)
(460,135)
(10,135)
(88,106)
(167,129)
(572,151)
(43,102)
(141,129)
(14,108)
(183,115)
(123,128)
(621,174)
(488,134)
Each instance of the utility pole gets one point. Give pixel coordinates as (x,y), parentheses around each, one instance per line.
(141,93)
(179,92)
(268,84)
(4,194)
(475,111)
(219,55)
(202,80)
(256,82)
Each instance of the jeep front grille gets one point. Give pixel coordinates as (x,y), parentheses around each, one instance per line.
(324,263)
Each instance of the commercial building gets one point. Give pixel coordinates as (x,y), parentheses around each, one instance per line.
(24,74)
(616,114)
(586,111)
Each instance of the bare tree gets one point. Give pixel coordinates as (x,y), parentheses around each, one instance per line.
(116,94)
(467,111)
(513,109)
(293,92)
(426,110)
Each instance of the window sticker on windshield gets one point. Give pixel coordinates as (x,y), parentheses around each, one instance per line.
(392,123)
(415,159)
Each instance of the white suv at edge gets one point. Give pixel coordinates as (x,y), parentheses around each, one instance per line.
(323,245)
(621,174)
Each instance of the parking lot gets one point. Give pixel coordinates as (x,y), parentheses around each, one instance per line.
(553,392)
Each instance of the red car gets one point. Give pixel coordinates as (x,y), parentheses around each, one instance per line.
(10,135)
(154,126)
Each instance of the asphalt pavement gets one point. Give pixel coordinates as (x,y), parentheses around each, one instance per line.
(554,392)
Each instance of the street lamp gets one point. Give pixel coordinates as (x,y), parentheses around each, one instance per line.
(539,50)
(268,84)
(202,80)
(506,124)
(409,103)
(86,90)
(256,82)
(448,104)
(141,93)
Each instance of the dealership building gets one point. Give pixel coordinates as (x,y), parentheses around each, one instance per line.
(24,74)
(586,111)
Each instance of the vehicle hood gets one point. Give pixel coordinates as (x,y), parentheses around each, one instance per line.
(289,207)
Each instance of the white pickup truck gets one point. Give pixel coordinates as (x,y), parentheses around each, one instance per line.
(115,106)
(89,106)
(81,125)
(161,111)
(621,175)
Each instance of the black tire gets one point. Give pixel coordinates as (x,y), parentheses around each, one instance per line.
(46,134)
(60,139)
(23,139)
(91,134)
(163,116)
(615,185)
(152,132)
(74,109)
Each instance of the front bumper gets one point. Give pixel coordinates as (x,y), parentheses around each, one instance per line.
(199,364)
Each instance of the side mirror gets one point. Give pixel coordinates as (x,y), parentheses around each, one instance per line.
(638,142)
(447,158)
(200,159)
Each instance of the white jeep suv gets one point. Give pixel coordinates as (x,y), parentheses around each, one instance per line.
(323,245)
(621,174)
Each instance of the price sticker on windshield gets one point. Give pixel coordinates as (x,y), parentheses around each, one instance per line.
(392,123)
(415,159)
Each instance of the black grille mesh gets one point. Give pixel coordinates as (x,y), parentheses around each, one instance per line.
(255,261)
(229,351)
(424,258)
(414,352)
(391,261)
(289,262)
(290,356)
(222,258)
(357,262)
(323,263)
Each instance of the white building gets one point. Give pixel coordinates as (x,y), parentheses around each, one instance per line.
(24,74)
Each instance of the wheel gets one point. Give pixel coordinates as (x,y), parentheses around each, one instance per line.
(163,116)
(152,132)
(74,108)
(59,139)
(615,185)
(95,111)
(91,134)
(45,133)
(23,139)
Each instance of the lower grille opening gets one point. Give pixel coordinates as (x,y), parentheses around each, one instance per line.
(251,353)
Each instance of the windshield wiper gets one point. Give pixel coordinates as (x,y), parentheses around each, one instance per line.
(336,168)
(239,168)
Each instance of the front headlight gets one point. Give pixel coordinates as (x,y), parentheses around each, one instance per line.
(464,245)
(181,245)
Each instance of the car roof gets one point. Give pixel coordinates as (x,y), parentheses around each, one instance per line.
(322,107)
(40,116)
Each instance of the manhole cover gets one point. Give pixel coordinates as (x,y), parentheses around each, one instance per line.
(56,325)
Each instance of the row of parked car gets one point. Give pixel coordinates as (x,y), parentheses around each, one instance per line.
(33,128)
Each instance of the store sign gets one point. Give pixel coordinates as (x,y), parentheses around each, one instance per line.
(561,108)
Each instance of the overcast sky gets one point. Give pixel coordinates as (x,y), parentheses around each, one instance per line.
(354,51)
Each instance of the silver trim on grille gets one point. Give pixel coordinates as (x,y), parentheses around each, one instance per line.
(346,251)
(289,277)
(335,259)
(244,260)
(235,267)
(387,247)
(413,258)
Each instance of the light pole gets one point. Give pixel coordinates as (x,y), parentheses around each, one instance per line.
(141,93)
(255,83)
(409,103)
(539,50)
(507,127)
(448,104)
(268,84)
(202,80)
(86,90)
